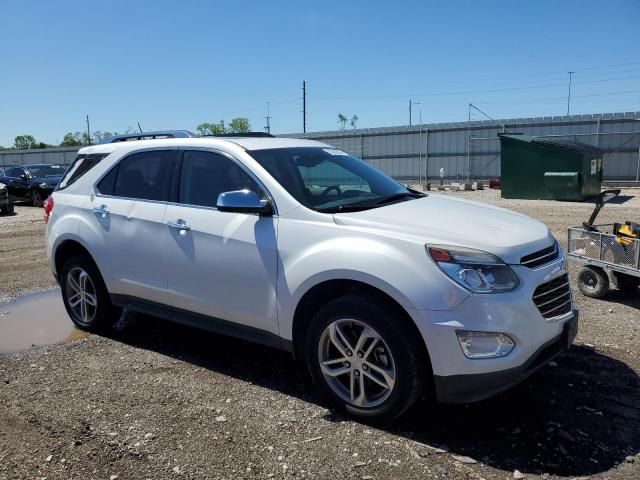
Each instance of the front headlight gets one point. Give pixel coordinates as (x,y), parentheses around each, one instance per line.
(475,270)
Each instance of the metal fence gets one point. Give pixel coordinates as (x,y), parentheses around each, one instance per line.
(464,150)
(472,149)
(57,155)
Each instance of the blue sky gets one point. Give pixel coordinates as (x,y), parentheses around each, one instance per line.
(175,64)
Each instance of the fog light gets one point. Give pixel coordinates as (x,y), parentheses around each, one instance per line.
(484,344)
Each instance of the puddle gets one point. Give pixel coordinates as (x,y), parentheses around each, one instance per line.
(37,319)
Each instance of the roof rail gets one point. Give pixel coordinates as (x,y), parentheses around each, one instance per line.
(244,135)
(149,136)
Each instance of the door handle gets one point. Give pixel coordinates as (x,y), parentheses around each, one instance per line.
(102,210)
(179,225)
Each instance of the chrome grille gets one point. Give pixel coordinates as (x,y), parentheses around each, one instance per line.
(553,298)
(540,257)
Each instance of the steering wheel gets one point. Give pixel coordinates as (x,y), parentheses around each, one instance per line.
(332,187)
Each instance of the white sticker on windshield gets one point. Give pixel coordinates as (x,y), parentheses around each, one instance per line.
(335,151)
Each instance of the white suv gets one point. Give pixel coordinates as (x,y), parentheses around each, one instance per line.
(386,293)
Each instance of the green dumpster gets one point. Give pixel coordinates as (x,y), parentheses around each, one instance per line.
(539,168)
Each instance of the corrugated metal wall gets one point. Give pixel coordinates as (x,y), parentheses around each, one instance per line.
(473,149)
(58,155)
(460,148)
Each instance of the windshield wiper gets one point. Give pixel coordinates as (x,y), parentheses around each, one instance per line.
(398,196)
(344,208)
(356,207)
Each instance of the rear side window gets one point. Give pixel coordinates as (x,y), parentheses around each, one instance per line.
(81,165)
(205,175)
(144,175)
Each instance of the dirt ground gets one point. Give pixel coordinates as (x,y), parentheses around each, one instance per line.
(156,400)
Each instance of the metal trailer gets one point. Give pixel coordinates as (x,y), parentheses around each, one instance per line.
(601,251)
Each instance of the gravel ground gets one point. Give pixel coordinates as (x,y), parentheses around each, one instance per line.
(156,400)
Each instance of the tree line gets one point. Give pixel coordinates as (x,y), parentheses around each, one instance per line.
(79,139)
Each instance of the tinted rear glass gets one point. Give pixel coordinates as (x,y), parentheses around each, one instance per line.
(81,165)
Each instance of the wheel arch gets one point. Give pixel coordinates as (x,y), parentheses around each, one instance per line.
(65,250)
(328,290)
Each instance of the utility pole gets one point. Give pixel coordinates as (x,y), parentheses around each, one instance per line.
(569,96)
(139,127)
(267,128)
(88,132)
(469,145)
(222,125)
(410,102)
(304,106)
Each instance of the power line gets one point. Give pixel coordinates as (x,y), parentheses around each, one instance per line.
(467,92)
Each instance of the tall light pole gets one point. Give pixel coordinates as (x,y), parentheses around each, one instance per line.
(411,102)
(569,96)
(419,139)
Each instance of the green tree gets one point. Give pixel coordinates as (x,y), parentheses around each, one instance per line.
(210,128)
(72,140)
(342,120)
(354,121)
(23,142)
(239,125)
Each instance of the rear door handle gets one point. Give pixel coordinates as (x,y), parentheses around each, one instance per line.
(179,225)
(102,210)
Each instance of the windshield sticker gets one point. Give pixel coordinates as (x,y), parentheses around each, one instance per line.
(335,151)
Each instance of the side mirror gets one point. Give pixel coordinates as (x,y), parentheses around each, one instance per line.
(243,201)
(23,177)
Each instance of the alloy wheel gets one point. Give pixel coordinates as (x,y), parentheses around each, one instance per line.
(356,363)
(81,295)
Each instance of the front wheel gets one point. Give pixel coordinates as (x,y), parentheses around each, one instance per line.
(365,359)
(8,209)
(85,296)
(593,282)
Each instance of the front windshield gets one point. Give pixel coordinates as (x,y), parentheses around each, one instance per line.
(43,171)
(327,179)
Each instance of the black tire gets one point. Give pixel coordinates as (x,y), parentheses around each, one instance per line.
(104,314)
(626,283)
(36,198)
(408,356)
(593,282)
(8,209)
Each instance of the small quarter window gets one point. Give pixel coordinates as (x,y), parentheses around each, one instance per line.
(81,165)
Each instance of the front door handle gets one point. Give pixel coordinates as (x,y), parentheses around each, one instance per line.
(179,225)
(102,210)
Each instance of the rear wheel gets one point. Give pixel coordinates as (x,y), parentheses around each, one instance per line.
(593,282)
(85,296)
(364,358)
(626,283)
(36,198)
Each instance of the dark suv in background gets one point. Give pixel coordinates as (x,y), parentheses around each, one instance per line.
(33,183)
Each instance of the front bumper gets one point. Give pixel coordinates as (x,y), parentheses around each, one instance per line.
(479,386)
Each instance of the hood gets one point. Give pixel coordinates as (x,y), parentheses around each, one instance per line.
(441,219)
(52,181)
